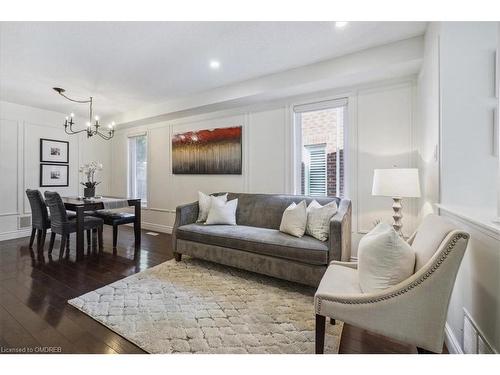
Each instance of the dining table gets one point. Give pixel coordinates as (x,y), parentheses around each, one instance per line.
(82,205)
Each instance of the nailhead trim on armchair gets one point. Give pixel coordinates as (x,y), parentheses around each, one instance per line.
(361,300)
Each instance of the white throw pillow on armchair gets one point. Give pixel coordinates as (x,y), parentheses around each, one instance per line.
(222,212)
(384,259)
(294,219)
(204,203)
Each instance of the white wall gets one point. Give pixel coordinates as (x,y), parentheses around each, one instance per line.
(469,166)
(459,65)
(21,128)
(385,138)
(428,116)
(380,135)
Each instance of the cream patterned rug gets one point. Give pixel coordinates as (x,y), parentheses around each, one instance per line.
(195,306)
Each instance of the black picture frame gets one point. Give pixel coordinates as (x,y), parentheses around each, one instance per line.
(42,184)
(44,159)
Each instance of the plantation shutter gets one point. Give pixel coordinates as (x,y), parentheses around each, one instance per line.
(316,176)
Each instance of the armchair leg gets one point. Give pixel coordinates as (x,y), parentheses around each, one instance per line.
(320,333)
(177,257)
(423,351)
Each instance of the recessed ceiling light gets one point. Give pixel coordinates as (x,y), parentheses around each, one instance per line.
(214,64)
(341,24)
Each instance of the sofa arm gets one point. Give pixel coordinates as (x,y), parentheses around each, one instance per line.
(339,240)
(184,214)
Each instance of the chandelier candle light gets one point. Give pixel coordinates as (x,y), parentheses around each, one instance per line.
(91,130)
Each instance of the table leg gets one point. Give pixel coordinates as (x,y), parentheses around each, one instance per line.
(137,224)
(79,233)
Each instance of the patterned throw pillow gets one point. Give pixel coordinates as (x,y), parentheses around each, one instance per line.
(318,219)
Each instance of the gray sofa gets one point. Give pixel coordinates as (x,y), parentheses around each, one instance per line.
(257,245)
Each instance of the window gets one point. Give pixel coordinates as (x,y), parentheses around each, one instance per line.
(138,167)
(314,159)
(320,144)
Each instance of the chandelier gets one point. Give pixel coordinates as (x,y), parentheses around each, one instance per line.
(91,129)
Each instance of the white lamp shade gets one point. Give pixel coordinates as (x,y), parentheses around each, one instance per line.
(396,182)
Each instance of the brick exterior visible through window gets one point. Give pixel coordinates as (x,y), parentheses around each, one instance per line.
(320,128)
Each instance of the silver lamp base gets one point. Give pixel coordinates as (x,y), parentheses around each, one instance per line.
(397,215)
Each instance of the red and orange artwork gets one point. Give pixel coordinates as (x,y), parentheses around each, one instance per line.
(209,151)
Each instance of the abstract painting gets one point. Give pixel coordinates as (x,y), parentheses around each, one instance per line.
(210,151)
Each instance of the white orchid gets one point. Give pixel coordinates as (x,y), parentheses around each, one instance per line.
(89,170)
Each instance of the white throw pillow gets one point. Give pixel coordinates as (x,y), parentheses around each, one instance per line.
(204,203)
(384,259)
(222,212)
(294,219)
(318,219)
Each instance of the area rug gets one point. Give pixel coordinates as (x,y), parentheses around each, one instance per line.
(195,306)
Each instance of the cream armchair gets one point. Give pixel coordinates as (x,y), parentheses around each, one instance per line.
(413,311)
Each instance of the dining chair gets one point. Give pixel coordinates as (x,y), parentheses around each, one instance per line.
(40,220)
(413,311)
(64,226)
(115,218)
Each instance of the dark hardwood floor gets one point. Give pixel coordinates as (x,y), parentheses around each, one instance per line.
(34,290)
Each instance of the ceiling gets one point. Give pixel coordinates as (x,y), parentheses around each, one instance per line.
(127,65)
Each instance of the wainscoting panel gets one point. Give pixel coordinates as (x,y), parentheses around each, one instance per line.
(9,130)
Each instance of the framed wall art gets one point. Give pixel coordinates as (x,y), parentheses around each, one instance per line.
(54,151)
(54,175)
(209,151)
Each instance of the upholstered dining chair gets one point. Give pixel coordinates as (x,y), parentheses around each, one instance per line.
(413,311)
(62,225)
(40,220)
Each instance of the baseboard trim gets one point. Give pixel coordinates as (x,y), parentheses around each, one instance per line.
(15,234)
(155,227)
(451,341)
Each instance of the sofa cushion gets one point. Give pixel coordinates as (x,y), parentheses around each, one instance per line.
(258,240)
(266,210)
